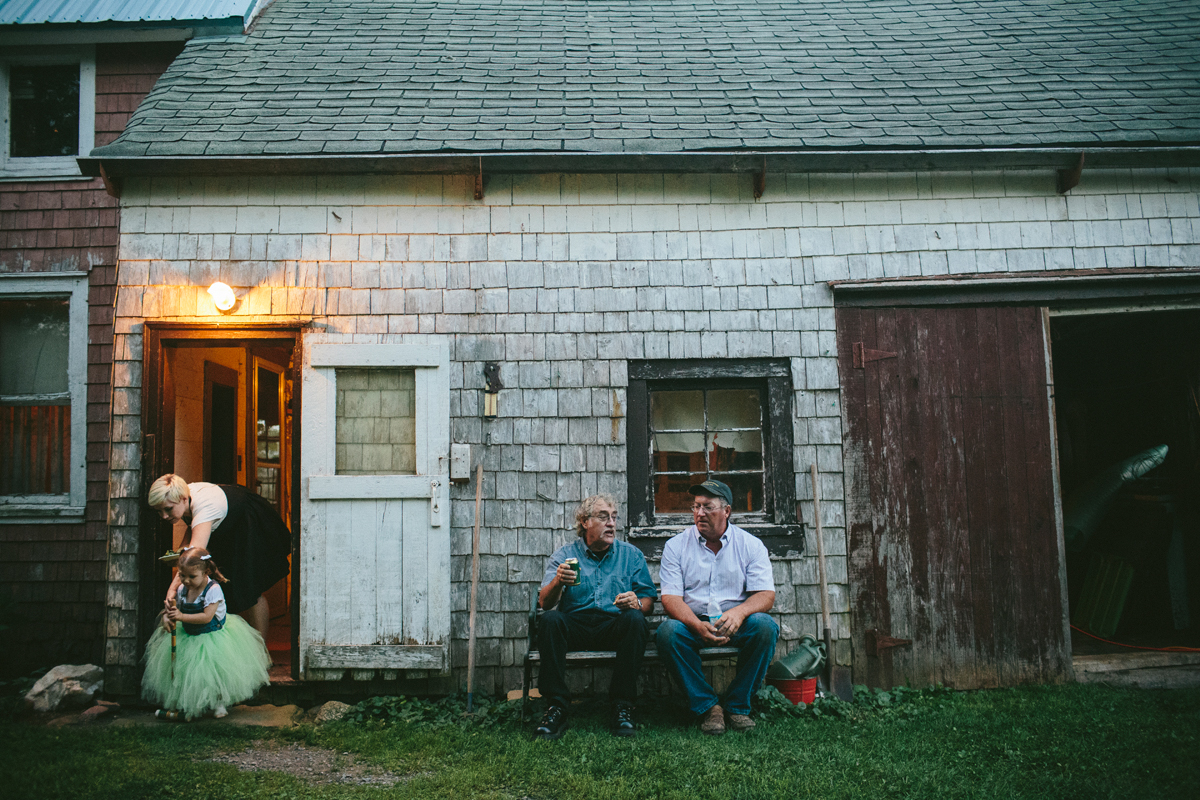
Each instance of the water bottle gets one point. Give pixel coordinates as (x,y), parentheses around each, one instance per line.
(714,611)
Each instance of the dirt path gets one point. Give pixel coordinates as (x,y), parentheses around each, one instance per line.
(313,765)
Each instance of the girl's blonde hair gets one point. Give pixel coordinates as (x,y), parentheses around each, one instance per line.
(170,488)
(199,557)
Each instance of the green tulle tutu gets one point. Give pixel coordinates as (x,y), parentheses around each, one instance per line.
(219,668)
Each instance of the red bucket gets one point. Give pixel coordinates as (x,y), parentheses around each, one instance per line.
(798,690)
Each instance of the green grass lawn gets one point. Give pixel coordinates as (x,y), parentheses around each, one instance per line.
(1038,742)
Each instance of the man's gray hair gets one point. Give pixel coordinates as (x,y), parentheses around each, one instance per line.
(587,507)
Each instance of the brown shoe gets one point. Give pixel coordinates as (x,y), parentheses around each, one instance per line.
(714,721)
(741,723)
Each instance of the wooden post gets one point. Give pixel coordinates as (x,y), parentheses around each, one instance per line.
(827,633)
(474,590)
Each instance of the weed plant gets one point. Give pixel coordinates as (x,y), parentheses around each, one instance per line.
(1070,741)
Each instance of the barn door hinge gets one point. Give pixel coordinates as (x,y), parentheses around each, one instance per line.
(863,356)
(877,641)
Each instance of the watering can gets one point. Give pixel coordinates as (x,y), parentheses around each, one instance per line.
(805,661)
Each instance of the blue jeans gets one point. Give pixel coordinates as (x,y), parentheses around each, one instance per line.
(755,642)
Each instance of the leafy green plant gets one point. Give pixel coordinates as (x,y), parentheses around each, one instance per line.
(769,702)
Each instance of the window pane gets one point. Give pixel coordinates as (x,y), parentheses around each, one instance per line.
(734,408)
(35,406)
(736,450)
(45,111)
(747,490)
(714,432)
(678,452)
(675,411)
(33,347)
(671,492)
(376,423)
(267,464)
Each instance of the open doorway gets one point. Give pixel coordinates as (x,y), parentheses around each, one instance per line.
(1127,384)
(219,410)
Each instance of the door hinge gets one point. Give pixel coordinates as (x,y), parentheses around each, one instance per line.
(876,641)
(863,356)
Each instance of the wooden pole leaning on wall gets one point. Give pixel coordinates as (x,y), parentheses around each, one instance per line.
(474,590)
(827,629)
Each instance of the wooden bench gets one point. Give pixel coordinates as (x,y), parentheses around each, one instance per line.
(585,657)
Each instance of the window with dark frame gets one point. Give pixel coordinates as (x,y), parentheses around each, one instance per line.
(44,110)
(715,418)
(35,399)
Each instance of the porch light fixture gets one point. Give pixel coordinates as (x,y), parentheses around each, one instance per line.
(223,297)
(491,389)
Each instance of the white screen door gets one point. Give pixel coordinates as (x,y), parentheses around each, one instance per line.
(375,539)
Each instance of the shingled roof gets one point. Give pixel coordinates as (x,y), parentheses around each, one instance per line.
(385,78)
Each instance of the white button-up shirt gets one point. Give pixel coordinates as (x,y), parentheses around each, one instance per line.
(690,570)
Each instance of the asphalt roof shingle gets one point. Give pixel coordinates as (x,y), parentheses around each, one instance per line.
(484,76)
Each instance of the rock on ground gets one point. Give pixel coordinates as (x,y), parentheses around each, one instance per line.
(72,684)
(330,712)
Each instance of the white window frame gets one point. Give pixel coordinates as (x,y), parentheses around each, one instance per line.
(72,286)
(49,167)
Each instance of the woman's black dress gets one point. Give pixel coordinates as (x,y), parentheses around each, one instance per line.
(251,547)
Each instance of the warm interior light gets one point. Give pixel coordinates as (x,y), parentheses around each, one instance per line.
(222,296)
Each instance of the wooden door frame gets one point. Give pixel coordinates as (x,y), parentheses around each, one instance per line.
(158,438)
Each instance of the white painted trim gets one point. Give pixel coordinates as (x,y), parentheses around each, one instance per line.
(368,487)
(65,507)
(50,167)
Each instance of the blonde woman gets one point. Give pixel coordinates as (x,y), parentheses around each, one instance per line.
(241,530)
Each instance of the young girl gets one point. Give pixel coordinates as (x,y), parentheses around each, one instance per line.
(219,661)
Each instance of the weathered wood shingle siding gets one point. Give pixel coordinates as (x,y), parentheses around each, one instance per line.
(566,278)
(56,572)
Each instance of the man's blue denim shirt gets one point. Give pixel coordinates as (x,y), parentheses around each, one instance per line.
(620,568)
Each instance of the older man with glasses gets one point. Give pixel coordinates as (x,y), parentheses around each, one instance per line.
(600,603)
(716,588)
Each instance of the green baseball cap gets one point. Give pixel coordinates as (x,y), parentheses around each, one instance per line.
(714,488)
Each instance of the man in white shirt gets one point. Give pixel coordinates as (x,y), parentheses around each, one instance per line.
(716,587)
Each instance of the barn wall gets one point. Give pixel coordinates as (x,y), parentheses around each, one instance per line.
(564,279)
(55,573)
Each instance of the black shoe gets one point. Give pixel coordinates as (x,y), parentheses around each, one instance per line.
(623,720)
(553,724)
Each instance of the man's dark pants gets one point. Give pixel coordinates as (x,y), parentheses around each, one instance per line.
(558,633)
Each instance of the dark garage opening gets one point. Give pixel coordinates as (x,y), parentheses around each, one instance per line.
(1125,383)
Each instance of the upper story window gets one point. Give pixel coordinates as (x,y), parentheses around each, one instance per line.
(43,343)
(49,109)
(715,418)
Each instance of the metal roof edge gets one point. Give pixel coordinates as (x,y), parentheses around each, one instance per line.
(741,161)
(117,32)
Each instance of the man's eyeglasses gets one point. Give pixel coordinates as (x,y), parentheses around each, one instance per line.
(710,508)
(604,516)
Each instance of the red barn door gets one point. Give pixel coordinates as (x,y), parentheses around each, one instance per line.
(954,562)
